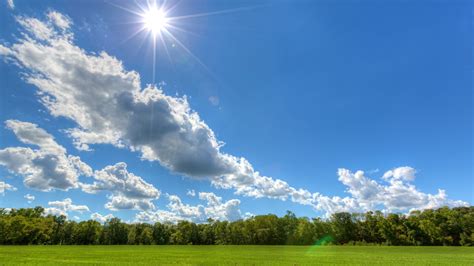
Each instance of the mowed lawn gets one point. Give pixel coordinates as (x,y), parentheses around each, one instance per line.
(235,255)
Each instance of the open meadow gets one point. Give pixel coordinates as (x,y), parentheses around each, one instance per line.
(235,255)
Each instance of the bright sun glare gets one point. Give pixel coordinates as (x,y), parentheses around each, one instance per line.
(155,20)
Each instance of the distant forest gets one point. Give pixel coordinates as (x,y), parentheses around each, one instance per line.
(444,226)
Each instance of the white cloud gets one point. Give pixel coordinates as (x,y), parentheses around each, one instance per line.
(178,211)
(405,173)
(55,212)
(11,4)
(110,106)
(30,133)
(218,210)
(397,195)
(29,198)
(63,207)
(101,218)
(49,167)
(191,193)
(360,187)
(59,20)
(40,30)
(67,205)
(161,216)
(335,204)
(116,178)
(123,203)
(46,168)
(248,215)
(56,27)
(6,187)
(184,210)
(129,191)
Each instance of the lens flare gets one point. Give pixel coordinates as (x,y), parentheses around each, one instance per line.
(314,249)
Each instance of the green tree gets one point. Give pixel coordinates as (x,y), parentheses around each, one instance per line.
(87,233)
(116,232)
(161,233)
(343,227)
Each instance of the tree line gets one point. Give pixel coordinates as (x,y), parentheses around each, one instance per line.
(443,226)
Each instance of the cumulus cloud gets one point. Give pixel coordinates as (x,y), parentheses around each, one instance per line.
(67,205)
(29,198)
(49,167)
(397,194)
(101,218)
(109,105)
(54,211)
(129,191)
(215,209)
(62,207)
(363,189)
(118,179)
(123,203)
(6,187)
(218,210)
(405,173)
(46,168)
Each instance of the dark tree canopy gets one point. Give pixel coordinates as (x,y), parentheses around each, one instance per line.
(444,226)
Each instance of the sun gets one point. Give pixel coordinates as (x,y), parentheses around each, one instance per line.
(155,20)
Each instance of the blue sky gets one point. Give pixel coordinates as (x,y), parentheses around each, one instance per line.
(309,93)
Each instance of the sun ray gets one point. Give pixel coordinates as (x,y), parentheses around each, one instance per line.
(189,52)
(125,9)
(183,30)
(155,18)
(215,12)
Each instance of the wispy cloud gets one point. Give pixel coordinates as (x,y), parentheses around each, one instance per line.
(11,4)
(6,187)
(191,192)
(29,198)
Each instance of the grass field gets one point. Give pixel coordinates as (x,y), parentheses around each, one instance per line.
(235,255)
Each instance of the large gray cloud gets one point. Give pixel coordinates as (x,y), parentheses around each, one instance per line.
(50,167)
(110,106)
(45,168)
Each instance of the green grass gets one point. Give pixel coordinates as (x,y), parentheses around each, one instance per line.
(235,255)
